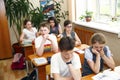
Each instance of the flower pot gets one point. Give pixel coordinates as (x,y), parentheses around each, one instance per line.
(88,18)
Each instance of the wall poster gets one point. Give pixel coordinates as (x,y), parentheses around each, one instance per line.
(48,8)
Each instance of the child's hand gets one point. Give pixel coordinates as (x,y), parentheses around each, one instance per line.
(45,36)
(95,51)
(59,36)
(101,52)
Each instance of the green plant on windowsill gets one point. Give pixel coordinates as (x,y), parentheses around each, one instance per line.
(87,16)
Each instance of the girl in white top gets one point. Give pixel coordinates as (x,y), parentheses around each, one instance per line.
(29,32)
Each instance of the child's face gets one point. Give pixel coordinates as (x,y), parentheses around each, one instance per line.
(44,30)
(67,55)
(52,23)
(98,47)
(28,24)
(68,27)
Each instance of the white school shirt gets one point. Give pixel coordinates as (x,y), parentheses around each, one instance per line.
(30,35)
(39,39)
(60,67)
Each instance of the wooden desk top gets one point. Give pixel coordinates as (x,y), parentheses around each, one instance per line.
(88,77)
(26,45)
(49,54)
(82,46)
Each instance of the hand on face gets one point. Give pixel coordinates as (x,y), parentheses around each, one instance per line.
(101,52)
(98,49)
(95,51)
(98,52)
(47,37)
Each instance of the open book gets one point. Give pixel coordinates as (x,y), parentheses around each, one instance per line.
(26,42)
(40,61)
(108,75)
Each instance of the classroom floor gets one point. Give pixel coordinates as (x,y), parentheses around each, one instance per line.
(6,73)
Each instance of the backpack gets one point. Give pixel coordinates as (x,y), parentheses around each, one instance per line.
(31,76)
(18,62)
(17,48)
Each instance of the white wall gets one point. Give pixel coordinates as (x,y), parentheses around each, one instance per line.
(35,3)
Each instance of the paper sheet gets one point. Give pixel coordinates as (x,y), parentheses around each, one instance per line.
(107,75)
(40,60)
(78,50)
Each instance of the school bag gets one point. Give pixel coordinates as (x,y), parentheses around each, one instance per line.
(31,76)
(18,62)
(18,48)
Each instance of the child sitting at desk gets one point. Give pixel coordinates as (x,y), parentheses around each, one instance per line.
(46,41)
(29,33)
(65,65)
(55,27)
(96,55)
(68,32)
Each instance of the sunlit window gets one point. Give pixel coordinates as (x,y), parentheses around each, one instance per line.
(103,10)
(118,10)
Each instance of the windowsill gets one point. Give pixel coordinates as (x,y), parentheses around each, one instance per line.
(100,26)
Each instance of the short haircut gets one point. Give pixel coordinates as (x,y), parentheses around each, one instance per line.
(66,22)
(66,43)
(98,37)
(45,24)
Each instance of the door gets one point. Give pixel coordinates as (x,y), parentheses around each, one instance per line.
(5,45)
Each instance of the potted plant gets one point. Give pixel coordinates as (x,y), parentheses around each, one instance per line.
(17,11)
(37,17)
(57,11)
(87,16)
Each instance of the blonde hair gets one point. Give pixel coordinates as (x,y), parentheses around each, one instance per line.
(98,37)
(45,24)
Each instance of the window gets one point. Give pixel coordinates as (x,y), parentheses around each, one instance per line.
(103,10)
(118,10)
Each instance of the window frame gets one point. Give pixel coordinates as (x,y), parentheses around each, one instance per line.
(96,16)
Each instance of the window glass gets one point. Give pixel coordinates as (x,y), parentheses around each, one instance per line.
(80,8)
(118,10)
(85,5)
(105,10)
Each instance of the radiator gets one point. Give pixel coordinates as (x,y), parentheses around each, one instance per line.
(84,34)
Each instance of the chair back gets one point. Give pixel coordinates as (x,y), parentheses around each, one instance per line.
(33,46)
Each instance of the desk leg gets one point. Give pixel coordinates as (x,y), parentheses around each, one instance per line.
(42,72)
(27,68)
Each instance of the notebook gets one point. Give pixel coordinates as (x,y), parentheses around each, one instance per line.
(40,61)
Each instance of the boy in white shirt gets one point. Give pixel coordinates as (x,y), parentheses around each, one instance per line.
(65,65)
(46,41)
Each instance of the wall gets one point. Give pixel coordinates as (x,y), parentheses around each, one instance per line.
(112,41)
(35,3)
